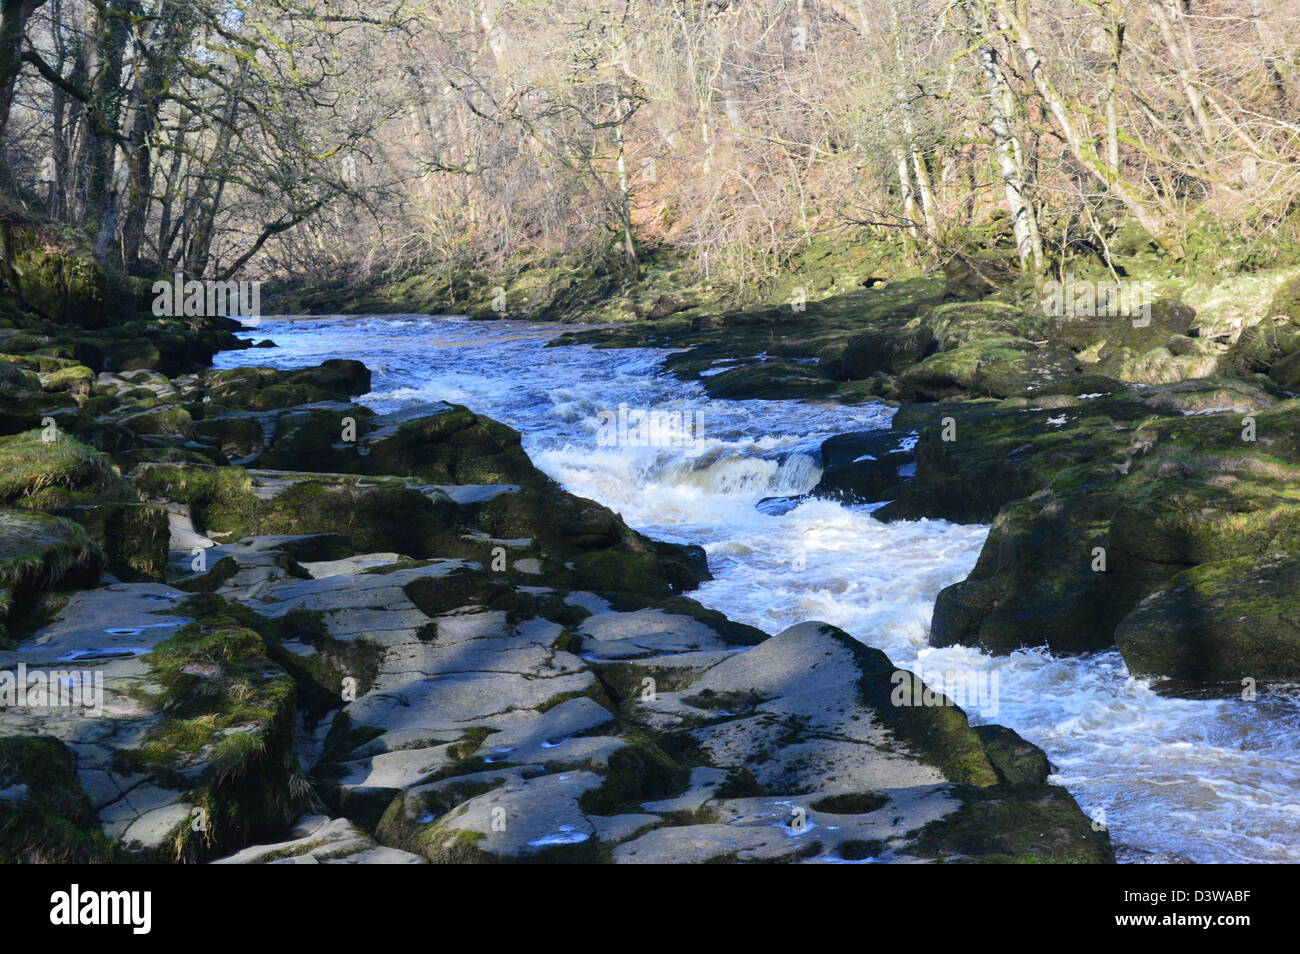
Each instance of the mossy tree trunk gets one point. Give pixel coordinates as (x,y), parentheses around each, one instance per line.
(14,15)
(109,36)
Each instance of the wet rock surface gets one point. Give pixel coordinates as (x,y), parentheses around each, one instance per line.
(320,635)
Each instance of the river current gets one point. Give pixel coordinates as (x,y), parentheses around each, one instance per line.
(1174,779)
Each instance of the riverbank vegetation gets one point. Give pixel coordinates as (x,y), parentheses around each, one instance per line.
(618,160)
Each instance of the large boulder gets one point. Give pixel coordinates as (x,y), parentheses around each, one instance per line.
(40,554)
(889,350)
(866,466)
(773,380)
(46,467)
(1219,622)
(1157,498)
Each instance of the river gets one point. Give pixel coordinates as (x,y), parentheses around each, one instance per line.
(1174,779)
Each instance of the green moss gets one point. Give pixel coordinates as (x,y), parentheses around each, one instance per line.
(610,570)
(638,772)
(33,470)
(52,822)
(559,698)
(850,803)
(75,378)
(937,734)
(1219,622)
(226,737)
(398,826)
(1017,761)
(133,536)
(1029,824)
(470,742)
(39,551)
(221,499)
(568,642)
(444,845)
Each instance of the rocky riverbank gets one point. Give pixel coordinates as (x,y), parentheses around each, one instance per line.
(1139,471)
(326,635)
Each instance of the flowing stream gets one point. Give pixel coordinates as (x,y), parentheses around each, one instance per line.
(1204,780)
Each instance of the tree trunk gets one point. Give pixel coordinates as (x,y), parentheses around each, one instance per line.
(630,255)
(14,15)
(1083,150)
(1024,223)
(147,99)
(112,31)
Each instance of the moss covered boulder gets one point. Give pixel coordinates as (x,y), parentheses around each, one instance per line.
(13,377)
(377,515)
(447,444)
(133,536)
(40,554)
(1158,498)
(24,410)
(770,379)
(46,467)
(227,732)
(1219,622)
(262,389)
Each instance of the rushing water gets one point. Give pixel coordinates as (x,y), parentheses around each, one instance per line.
(1207,780)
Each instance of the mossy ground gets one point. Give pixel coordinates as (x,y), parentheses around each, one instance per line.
(53,821)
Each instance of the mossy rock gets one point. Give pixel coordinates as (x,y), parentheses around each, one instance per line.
(453,446)
(165,420)
(938,734)
(1023,824)
(1018,762)
(312,438)
(1065,565)
(45,815)
(63,282)
(23,411)
(1286,302)
(438,595)
(76,379)
(228,731)
(375,514)
(891,350)
(1035,583)
(1285,370)
(998,366)
(137,355)
(772,380)
(110,438)
(133,536)
(955,324)
(35,472)
(15,378)
(264,389)
(589,546)
(1219,622)
(236,436)
(40,553)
